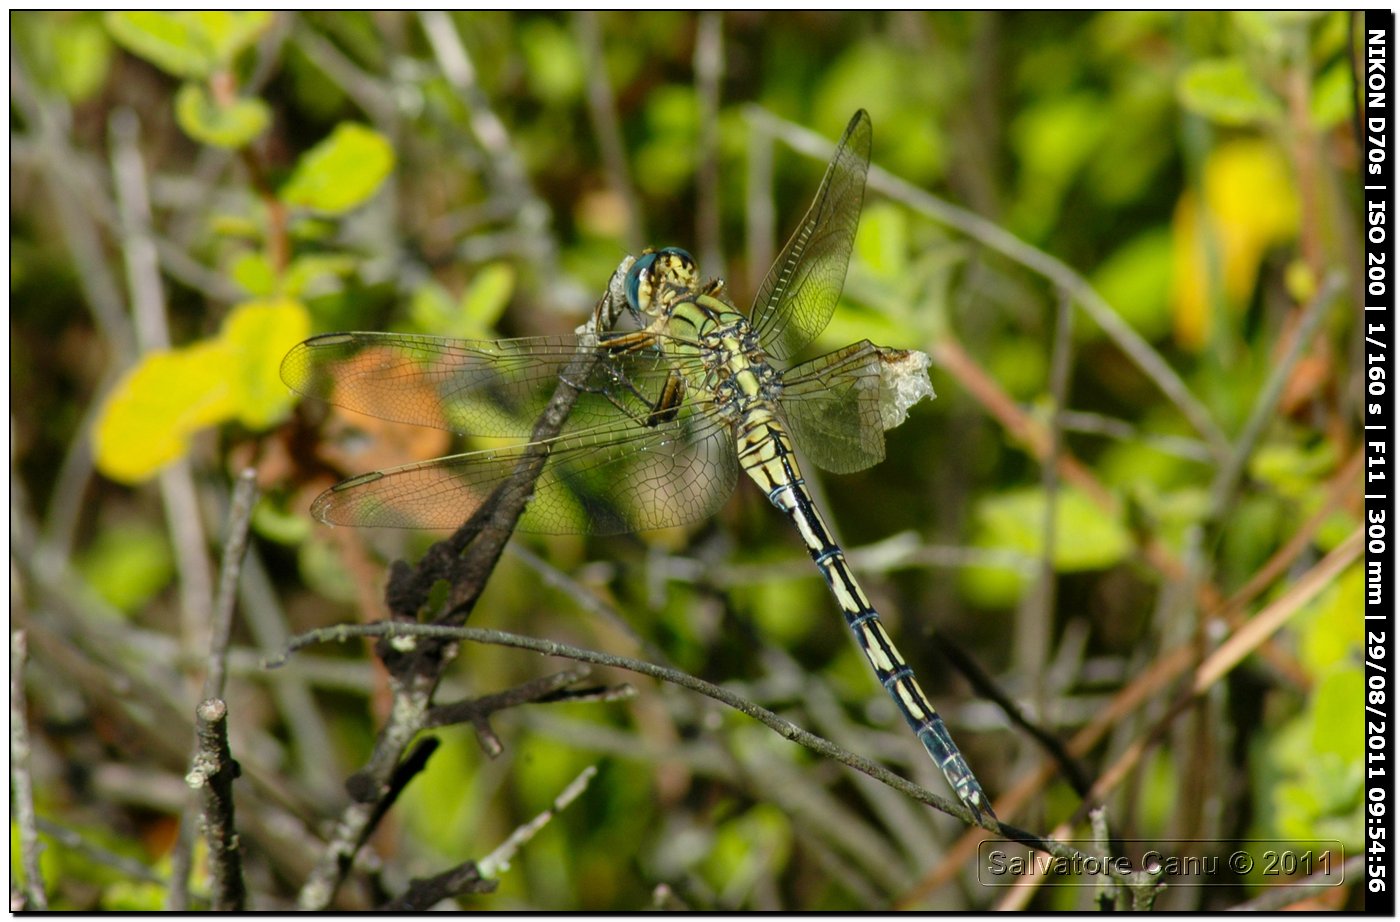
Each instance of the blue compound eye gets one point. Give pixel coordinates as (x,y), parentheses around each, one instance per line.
(634,281)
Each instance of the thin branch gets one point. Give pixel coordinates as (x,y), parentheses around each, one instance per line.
(364,88)
(709,70)
(1156,676)
(1031,648)
(147,300)
(602,112)
(424,893)
(496,862)
(216,666)
(212,774)
(74,192)
(477,876)
(404,772)
(240,515)
(760,223)
(477,711)
(70,839)
(465,560)
(1223,489)
(22,786)
(901,551)
(1292,894)
(501,161)
(780,725)
(988,688)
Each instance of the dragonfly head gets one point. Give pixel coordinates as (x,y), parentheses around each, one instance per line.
(656,280)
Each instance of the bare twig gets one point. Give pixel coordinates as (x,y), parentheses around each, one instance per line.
(423,893)
(240,514)
(709,70)
(1163,671)
(368,92)
(988,688)
(602,112)
(266,621)
(478,711)
(212,774)
(476,876)
(496,862)
(780,725)
(1292,894)
(1031,649)
(760,225)
(465,560)
(897,552)
(245,493)
(147,299)
(22,787)
(75,192)
(501,161)
(70,839)
(1223,489)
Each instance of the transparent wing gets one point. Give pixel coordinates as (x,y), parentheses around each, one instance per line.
(607,479)
(797,298)
(832,408)
(476,387)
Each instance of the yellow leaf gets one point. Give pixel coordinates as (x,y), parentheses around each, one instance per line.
(147,419)
(257,334)
(1249,205)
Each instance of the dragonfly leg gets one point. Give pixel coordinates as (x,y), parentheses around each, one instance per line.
(669,403)
(627,341)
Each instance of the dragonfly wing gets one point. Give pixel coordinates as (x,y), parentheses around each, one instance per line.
(478,387)
(797,298)
(832,407)
(608,479)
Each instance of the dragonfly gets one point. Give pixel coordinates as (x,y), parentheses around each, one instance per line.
(664,419)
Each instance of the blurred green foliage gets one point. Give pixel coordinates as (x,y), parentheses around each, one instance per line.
(319,171)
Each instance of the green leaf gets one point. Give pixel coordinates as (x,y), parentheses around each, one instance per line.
(306,271)
(882,240)
(487,296)
(431,309)
(1136,278)
(210,122)
(553,64)
(1224,91)
(751,847)
(82,54)
(167,40)
(253,273)
(1293,469)
(231,31)
(1330,634)
(1086,537)
(341,172)
(1337,720)
(288,527)
(256,335)
(1331,102)
(146,420)
(324,569)
(474,315)
(128,566)
(188,44)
